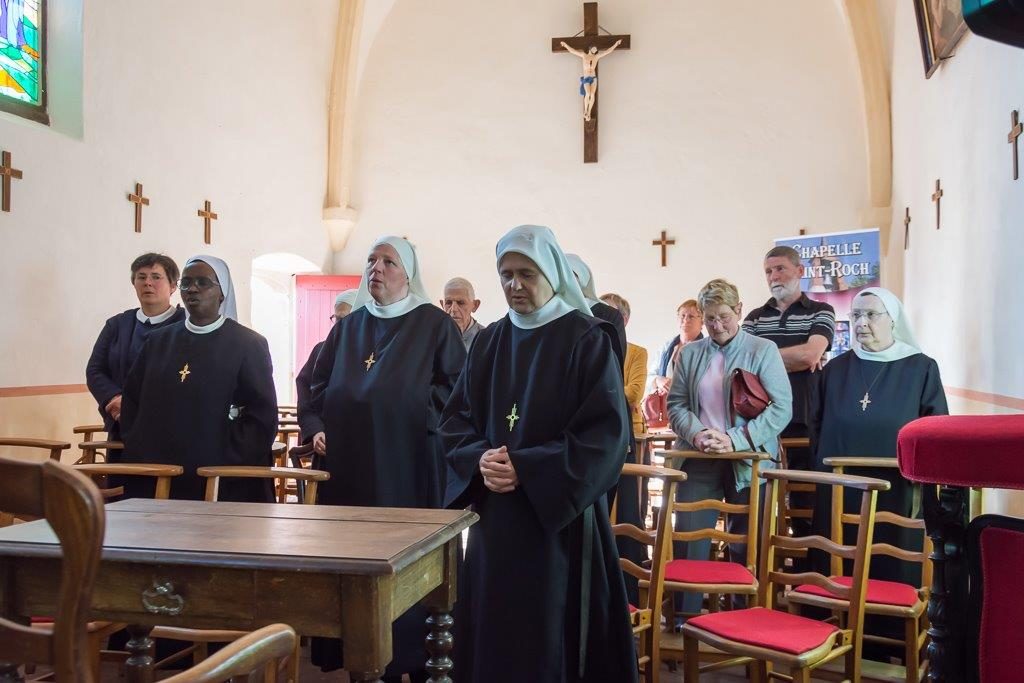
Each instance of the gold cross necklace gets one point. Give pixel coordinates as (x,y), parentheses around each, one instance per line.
(864,402)
(369,361)
(512,417)
(184,372)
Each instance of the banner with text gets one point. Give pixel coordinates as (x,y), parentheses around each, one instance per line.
(837,265)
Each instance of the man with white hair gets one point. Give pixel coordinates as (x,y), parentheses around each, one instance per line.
(460,303)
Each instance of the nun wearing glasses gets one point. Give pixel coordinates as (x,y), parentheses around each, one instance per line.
(202,393)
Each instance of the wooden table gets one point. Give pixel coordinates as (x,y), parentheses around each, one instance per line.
(343,572)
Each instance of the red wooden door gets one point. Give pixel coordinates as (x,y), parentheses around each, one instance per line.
(314,305)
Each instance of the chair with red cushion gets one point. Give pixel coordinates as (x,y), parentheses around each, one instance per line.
(975,601)
(884,598)
(770,637)
(646,617)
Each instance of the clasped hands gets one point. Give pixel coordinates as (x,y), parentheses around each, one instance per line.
(497,470)
(713,441)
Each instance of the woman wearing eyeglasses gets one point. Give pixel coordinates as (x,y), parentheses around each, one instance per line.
(699,408)
(154,277)
(202,393)
(861,401)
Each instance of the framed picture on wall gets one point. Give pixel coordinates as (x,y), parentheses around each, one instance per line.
(940,26)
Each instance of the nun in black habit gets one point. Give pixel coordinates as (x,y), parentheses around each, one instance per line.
(535,433)
(202,393)
(379,385)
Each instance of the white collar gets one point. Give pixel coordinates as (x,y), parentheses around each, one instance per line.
(155,319)
(205,329)
(554,309)
(397,309)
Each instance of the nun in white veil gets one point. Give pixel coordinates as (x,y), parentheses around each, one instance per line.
(600,309)
(861,401)
(535,434)
(202,393)
(377,391)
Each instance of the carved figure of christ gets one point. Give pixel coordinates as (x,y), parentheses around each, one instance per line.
(588,81)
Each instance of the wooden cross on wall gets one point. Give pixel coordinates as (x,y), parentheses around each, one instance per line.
(207,216)
(591,38)
(8,172)
(937,198)
(139,201)
(664,243)
(906,230)
(1016,128)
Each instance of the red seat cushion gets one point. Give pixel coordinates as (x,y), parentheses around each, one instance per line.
(708,571)
(633,608)
(964,450)
(42,620)
(768,628)
(879,592)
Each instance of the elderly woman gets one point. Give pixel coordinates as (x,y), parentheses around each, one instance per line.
(862,400)
(379,385)
(535,433)
(155,279)
(689,319)
(202,393)
(699,406)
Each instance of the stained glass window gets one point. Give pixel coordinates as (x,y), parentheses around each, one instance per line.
(21,57)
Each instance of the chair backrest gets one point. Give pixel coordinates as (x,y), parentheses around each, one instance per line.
(773,576)
(659,539)
(73,507)
(162,474)
(87,431)
(260,650)
(54,447)
(840,517)
(751,509)
(89,449)
(311,477)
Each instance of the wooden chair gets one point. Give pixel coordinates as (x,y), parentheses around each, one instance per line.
(311,478)
(162,473)
(790,511)
(771,637)
(269,649)
(886,598)
(90,449)
(713,577)
(73,507)
(645,618)
(88,431)
(55,448)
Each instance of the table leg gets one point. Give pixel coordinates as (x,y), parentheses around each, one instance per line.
(139,666)
(439,645)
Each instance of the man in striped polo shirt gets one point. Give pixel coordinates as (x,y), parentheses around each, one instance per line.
(803,330)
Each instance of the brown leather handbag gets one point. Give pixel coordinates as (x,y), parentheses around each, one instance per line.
(655,410)
(749,398)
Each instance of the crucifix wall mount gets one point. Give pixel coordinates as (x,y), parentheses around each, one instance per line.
(937,198)
(1016,129)
(590,47)
(8,172)
(664,243)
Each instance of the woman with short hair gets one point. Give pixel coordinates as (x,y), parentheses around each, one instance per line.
(700,411)
(155,278)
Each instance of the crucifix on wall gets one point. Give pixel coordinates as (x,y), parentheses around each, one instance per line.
(937,198)
(906,230)
(207,215)
(139,201)
(8,172)
(590,47)
(664,243)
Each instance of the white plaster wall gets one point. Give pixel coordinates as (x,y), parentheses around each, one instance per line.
(961,281)
(199,100)
(727,124)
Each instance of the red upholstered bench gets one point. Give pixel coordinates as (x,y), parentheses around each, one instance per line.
(976,586)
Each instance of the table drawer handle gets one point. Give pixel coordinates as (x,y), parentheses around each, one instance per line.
(161,599)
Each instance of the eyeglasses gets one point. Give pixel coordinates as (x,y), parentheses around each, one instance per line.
(712,320)
(201,283)
(688,316)
(871,316)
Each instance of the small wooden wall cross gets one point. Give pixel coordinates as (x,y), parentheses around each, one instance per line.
(582,46)
(664,243)
(937,198)
(8,172)
(906,230)
(139,201)
(1016,128)
(207,216)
